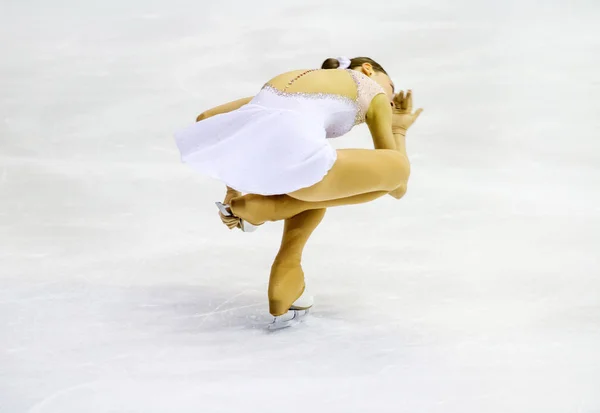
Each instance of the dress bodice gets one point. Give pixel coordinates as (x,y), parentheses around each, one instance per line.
(338,114)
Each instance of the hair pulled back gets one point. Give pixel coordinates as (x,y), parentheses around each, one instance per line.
(333,63)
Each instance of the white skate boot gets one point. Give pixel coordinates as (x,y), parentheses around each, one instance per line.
(296,314)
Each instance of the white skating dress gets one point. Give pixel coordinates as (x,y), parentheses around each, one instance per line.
(277,143)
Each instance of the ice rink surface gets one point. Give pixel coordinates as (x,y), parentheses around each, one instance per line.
(121,291)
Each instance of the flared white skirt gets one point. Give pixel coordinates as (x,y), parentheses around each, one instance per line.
(258,149)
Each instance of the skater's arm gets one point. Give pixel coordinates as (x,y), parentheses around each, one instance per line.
(379,121)
(402,119)
(388,127)
(227,107)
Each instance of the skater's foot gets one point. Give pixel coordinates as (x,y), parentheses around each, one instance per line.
(258,209)
(286,285)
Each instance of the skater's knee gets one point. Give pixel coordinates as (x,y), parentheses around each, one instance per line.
(398,172)
(399,192)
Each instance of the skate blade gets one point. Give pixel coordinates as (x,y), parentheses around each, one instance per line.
(289,319)
(224,209)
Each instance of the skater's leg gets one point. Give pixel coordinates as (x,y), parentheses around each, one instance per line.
(356,172)
(358,176)
(286,284)
(257,209)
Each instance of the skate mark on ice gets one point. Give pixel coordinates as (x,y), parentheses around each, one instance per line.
(206,316)
(39,406)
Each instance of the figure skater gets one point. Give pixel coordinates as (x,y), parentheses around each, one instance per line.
(273,148)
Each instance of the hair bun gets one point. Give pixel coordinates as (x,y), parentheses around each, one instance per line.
(331,63)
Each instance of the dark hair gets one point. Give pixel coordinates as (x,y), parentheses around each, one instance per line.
(333,63)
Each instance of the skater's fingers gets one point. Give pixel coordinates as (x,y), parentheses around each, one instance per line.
(417,113)
(232,224)
(229,221)
(408,101)
(398,99)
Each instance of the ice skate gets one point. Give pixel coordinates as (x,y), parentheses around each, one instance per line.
(244,225)
(289,319)
(296,314)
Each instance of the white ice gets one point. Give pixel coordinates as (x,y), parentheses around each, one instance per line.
(121,291)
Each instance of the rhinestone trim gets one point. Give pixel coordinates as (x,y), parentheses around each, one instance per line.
(298,77)
(310,95)
(363,90)
(360,115)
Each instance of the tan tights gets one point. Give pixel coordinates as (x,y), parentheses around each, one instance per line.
(358,176)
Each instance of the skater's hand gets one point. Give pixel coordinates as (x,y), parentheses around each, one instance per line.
(402,116)
(231,222)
